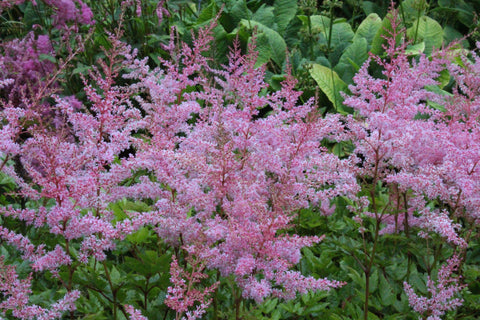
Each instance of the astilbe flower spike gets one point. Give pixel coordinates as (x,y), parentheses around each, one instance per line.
(184,294)
(226,182)
(15,295)
(234,179)
(442,293)
(406,143)
(71,166)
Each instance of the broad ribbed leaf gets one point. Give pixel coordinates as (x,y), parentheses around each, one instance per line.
(270,44)
(284,11)
(368,28)
(352,59)
(428,30)
(265,16)
(330,83)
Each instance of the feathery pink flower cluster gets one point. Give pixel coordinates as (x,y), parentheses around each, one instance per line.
(228,180)
(184,294)
(410,134)
(15,295)
(443,292)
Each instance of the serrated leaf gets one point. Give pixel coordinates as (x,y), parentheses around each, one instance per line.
(418,283)
(270,44)
(265,16)
(276,315)
(316,308)
(139,237)
(427,30)
(269,305)
(368,28)
(115,276)
(330,83)
(284,11)
(351,60)
(387,295)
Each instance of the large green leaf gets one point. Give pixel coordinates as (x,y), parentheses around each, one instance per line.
(368,28)
(330,83)
(427,30)
(341,37)
(265,16)
(234,11)
(352,59)
(270,44)
(285,10)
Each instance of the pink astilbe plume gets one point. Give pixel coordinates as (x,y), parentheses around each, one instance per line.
(442,293)
(64,11)
(73,165)
(22,72)
(184,297)
(227,165)
(134,313)
(407,143)
(228,180)
(15,297)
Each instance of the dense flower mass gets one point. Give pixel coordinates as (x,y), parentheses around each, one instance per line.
(224,180)
(234,179)
(136,180)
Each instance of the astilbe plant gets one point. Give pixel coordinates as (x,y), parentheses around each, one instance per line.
(64,11)
(71,163)
(227,181)
(442,292)
(421,143)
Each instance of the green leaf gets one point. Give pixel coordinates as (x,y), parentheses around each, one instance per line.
(428,30)
(368,28)
(351,60)
(270,305)
(331,84)
(316,308)
(270,44)
(387,295)
(276,315)
(115,276)
(207,13)
(139,237)
(319,23)
(265,16)
(415,49)
(411,11)
(374,281)
(418,283)
(81,68)
(284,11)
